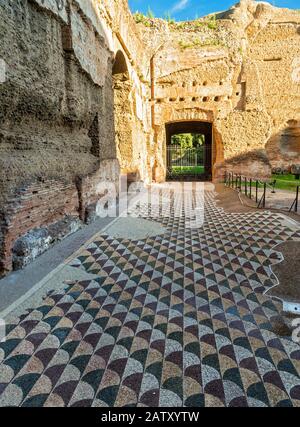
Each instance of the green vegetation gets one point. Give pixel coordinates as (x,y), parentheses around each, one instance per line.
(188,170)
(188,140)
(283,182)
(186,154)
(142,19)
(150,13)
(180,25)
(146,20)
(210,22)
(286,182)
(200,43)
(169,19)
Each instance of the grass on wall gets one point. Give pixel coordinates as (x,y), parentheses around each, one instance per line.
(200,43)
(209,22)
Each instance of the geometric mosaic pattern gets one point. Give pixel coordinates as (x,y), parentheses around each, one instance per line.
(178,319)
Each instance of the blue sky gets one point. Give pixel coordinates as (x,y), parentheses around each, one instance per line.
(191,9)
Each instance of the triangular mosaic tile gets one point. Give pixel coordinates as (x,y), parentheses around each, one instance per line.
(178,319)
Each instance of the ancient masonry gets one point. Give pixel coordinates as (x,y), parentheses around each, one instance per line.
(89,90)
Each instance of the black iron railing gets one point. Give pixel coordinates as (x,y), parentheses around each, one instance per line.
(250,187)
(191,162)
(295,204)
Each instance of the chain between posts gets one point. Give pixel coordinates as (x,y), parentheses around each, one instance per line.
(236,182)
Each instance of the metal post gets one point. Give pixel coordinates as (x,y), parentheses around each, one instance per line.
(181,160)
(246,186)
(265,191)
(256,191)
(262,202)
(250,195)
(296,201)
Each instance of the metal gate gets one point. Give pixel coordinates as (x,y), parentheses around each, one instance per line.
(188,163)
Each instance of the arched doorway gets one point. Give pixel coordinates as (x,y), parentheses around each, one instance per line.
(120,65)
(189,153)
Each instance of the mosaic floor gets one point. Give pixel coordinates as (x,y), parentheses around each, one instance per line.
(178,319)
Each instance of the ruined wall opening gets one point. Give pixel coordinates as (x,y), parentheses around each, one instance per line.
(120,65)
(189,151)
(123,111)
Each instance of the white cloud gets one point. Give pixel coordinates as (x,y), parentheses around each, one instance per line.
(180,5)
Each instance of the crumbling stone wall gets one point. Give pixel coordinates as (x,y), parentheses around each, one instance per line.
(239,70)
(131,131)
(57,118)
(56,115)
(124,121)
(283,148)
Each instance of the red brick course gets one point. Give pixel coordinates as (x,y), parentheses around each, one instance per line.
(40,204)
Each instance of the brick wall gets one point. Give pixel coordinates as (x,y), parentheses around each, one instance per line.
(39,204)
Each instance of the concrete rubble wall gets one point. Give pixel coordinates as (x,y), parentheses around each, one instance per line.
(56,118)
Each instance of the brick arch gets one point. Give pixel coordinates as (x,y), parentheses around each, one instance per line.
(120,64)
(191,114)
(172,115)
